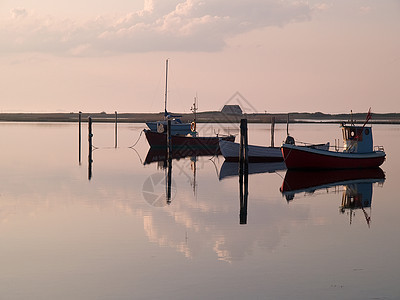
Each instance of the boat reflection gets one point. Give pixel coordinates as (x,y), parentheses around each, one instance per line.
(164,159)
(231,169)
(357,186)
(160,154)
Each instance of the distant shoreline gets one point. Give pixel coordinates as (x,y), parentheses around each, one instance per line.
(201,117)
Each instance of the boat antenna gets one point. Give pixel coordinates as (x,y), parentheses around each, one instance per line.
(166,89)
(194,107)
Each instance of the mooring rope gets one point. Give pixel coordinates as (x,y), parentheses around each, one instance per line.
(137,140)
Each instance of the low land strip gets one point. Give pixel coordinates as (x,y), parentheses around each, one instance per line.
(202,117)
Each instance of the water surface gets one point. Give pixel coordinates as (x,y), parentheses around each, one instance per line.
(118,236)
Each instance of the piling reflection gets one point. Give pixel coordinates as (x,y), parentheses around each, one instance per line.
(165,158)
(356,186)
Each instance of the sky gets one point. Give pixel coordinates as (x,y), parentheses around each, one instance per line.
(266,55)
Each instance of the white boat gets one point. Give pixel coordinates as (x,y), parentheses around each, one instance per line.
(230,151)
(177,127)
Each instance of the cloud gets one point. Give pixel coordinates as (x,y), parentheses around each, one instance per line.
(18,13)
(191,25)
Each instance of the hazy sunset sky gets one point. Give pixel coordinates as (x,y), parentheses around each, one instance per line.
(280,55)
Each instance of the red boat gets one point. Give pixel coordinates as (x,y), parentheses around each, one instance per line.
(358,152)
(156,139)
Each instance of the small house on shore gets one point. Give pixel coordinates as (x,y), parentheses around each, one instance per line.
(232,110)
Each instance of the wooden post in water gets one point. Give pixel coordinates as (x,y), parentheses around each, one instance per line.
(243,171)
(243,151)
(80,135)
(169,139)
(287,125)
(116,131)
(169,162)
(273,132)
(90,139)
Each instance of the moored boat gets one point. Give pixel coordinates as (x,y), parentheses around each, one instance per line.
(156,139)
(230,151)
(177,126)
(358,152)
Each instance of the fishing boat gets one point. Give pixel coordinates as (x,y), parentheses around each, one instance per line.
(210,143)
(358,152)
(177,126)
(192,140)
(230,151)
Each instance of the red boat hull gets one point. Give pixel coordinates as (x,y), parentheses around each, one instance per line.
(297,157)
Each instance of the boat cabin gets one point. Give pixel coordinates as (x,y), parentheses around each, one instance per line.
(357,139)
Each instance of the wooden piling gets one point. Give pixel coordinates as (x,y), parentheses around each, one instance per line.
(169,139)
(273,132)
(287,125)
(80,135)
(243,171)
(244,148)
(169,163)
(116,131)
(90,139)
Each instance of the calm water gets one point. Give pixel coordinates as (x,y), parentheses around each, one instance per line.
(114,236)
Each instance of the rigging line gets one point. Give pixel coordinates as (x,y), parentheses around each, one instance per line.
(137,139)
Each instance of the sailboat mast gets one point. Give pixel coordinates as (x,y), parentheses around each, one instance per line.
(166,89)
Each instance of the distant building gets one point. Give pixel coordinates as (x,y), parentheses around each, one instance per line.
(232,110)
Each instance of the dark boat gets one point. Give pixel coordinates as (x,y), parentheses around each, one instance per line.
(177,126)
(156,139)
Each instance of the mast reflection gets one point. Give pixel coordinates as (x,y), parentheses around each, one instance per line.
(164,159)
(356,186)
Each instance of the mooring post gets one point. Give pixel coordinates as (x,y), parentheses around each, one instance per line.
(90,138)
(243,171)
(273,132)
(169,139)
(246,147)
(169,162)
(116,131)
(80,135)
(241,148)
(287,125)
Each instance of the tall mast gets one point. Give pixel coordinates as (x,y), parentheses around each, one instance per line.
(166,89)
